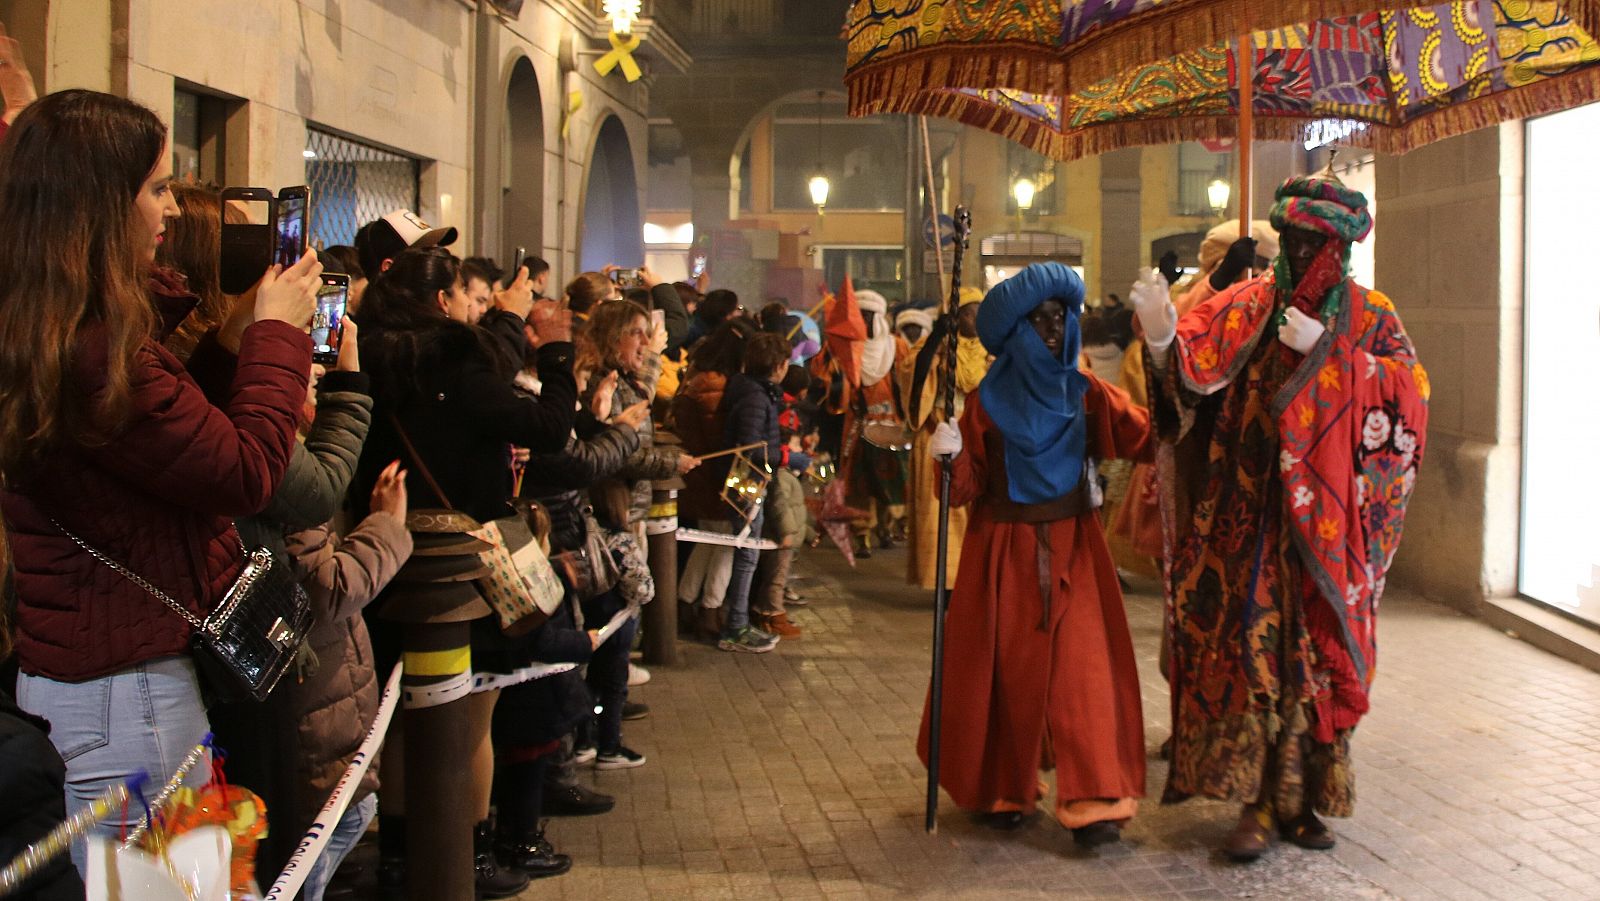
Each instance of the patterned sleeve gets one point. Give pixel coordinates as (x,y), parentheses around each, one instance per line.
(636,585)
(1351,438)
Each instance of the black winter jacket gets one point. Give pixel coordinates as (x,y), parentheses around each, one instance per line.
(462,415)
(32,801)
(558,481)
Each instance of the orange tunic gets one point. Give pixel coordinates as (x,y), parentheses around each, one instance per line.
(1029,684)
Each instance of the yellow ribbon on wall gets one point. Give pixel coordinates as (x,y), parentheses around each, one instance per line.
(574,103)
(621,55)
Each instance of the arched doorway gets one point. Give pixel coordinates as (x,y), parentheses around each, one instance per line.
(612,227)
(522,156)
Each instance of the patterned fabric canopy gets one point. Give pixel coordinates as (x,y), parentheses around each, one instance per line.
(1391,80)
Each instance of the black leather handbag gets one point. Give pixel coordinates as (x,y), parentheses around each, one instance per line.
(243,647)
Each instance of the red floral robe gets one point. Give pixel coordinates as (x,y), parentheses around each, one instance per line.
(1029,684)
(1300,469)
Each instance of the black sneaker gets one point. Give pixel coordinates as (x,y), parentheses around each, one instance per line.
(622,758)
(575,801)
(634,710)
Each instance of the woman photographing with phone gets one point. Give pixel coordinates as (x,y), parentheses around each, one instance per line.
(103,433)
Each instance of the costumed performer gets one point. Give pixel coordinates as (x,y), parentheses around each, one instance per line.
(1292,412)
(1224,260)
(877,472)
(1039,669)
(919,375)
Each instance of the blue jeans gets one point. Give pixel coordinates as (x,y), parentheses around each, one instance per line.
(744,573)
(142,719)
(357,817)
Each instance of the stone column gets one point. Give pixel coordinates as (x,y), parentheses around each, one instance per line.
(1121,253)
(1449,254)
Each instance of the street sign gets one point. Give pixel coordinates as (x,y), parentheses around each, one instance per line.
(947,232)
(930,260)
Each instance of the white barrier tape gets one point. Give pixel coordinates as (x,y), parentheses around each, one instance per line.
(439,693)
(700,536)
(616,623)
(316,839)
(487,681)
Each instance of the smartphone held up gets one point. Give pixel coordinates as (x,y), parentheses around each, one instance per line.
(327,323)
(277,231)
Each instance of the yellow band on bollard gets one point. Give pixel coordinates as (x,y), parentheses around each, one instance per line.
(662,510)
(438,663)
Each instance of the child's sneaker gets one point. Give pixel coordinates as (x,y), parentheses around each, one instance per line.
(750,640)
(622,758)
(583,754)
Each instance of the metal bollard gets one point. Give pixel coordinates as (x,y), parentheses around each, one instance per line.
(660,642)
(435,598)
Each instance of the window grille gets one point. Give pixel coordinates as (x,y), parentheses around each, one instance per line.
(354,183)
(1197,168)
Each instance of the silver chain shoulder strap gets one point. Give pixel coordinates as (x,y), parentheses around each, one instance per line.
(134,577)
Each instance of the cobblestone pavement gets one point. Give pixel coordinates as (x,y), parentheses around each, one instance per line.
(794,775)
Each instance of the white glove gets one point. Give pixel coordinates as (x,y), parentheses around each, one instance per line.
(1299,331)
(1154,308)
(946,440)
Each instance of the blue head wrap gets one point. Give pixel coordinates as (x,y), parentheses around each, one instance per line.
(1034,398)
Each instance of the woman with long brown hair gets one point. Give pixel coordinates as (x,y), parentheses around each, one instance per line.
(104,435)
(193,246)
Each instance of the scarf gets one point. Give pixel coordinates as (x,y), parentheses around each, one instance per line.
(877,354)
(972,362)
(1034,398)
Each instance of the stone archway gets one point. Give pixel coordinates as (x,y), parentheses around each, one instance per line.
(612,224)
(522,165)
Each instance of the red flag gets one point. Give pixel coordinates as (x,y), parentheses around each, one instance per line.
(846,333)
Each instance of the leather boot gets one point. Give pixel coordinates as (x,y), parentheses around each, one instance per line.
(535,856)
(491,880)
(1251,836)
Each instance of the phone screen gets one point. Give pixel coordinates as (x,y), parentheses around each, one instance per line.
(699,266)
(289,239)
(327,323)
(516,264)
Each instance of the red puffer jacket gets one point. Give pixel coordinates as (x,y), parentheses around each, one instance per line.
(160,499)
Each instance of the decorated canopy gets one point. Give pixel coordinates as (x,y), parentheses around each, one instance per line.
(1389,79)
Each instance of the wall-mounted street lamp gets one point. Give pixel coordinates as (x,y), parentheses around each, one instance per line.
(1023,191)
(1217,193)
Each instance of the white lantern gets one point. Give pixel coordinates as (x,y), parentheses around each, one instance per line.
(622,13)
(819,190)
(1218,193)
(1023,190)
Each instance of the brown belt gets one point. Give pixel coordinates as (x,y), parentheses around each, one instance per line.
(1076,502)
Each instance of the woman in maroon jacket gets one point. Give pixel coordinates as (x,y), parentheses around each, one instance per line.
(103,432)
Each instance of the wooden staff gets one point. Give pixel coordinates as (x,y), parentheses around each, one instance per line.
(732,450)
(941,595)
(1245,68)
